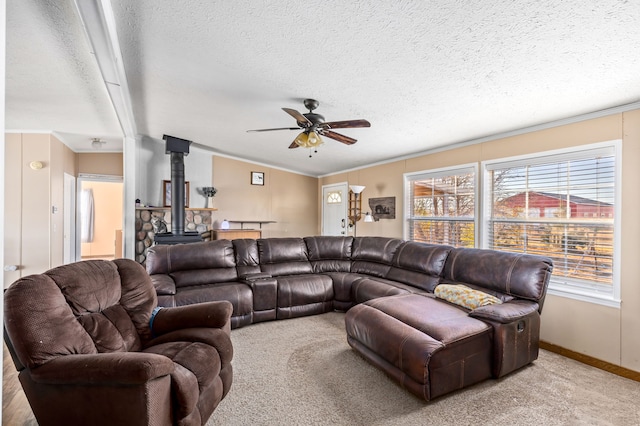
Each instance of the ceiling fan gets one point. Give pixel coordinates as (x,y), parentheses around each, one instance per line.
(313,126)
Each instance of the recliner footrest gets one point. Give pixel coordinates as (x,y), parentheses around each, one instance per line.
(429,347)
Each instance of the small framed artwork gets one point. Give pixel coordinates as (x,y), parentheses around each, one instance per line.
(257,178)
(166,193)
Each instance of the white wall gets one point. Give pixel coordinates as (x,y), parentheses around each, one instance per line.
(154,166)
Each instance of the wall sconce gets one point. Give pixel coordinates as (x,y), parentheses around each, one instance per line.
(355,205)
(368,217)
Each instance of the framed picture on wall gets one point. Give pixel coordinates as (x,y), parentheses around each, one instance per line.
(166,193)
(257,178)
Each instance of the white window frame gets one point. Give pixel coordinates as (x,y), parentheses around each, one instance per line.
(439,172)
(595,293)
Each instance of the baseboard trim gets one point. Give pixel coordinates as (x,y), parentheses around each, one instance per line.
(589,360)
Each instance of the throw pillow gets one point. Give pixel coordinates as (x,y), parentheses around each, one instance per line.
(464,296)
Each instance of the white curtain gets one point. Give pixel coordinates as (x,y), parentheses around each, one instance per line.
(86,215)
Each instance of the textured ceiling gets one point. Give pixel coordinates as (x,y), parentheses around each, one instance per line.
(425,74)
(52,80)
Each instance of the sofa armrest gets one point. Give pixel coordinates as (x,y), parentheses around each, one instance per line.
(117,368)
(200,315)
(505,313)
(219,338)
(516,334)
(164,284)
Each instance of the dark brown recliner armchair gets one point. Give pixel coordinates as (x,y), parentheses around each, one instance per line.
(81,339)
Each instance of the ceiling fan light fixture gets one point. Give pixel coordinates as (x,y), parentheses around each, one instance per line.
(308,139)
(96,143)
(302,140)
(314,140)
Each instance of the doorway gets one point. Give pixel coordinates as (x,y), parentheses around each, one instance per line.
(99,224)
(69,226)
(334,209)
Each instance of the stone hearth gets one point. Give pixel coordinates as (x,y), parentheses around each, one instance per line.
(195,220)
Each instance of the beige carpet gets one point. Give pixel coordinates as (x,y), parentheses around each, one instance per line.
(302,372)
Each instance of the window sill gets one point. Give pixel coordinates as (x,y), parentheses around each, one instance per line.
(584,295)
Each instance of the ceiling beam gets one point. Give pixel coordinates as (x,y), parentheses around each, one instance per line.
(100,28)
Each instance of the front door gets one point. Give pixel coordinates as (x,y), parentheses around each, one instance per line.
(334,209)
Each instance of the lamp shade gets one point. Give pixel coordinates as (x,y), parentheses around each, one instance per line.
(313,140)
(302,139)
(356,188)
(308,139)
(368,217)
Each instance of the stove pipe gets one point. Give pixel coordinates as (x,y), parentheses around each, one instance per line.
(177,148)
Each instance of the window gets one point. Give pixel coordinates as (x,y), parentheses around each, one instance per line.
(561,205)
(441,206)
(334,197)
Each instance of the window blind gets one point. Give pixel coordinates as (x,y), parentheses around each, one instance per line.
(442,206)
(558,206)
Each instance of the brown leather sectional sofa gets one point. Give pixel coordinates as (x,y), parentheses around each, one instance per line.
(387,286)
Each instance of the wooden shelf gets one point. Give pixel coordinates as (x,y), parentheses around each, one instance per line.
(169,208)
(242,222)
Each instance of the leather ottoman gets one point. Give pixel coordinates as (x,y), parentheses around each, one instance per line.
(428,346)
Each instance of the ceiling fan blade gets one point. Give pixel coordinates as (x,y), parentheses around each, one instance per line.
(340,138)
(345,124)
(299,117)
(279,128)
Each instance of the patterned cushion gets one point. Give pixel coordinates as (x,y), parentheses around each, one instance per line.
(464,296)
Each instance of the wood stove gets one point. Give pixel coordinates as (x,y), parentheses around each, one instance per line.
(177,148)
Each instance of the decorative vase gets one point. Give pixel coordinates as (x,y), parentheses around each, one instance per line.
(209,202)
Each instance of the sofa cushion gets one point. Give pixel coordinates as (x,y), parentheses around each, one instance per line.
(93,291)
(247,257)
(88,286)
(43,337)
(278,250)
(327,247)
(138,296)
(192,264)
(464,296)
(375,249)
(302,295)
(370,288)
(164,284)
(167,259)
(239,294)
(418,264)
(342,282)
(283,256)
(329,254)
(522,275)
(193,277)
(296,290)
(373,255)
(111,330)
